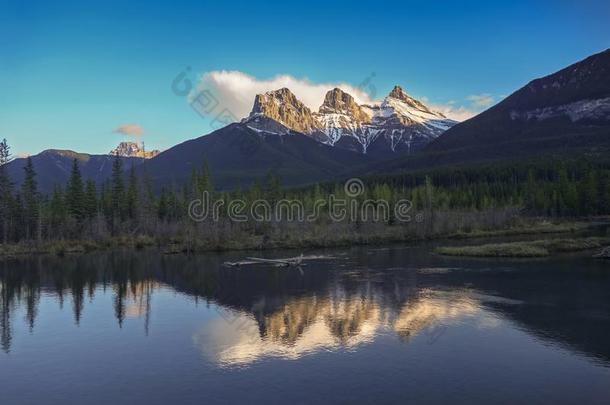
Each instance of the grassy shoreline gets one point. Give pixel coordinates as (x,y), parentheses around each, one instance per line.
(194,245)
(541,228)
(536,248)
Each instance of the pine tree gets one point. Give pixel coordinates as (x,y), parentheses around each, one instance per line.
(206,178)
(118,189)
(149,202)
(530,193)
(6,191)
(201,182)
(254,193)
(17,217)
(57,208)
(106,200)
(132,194)
(91,199)
(589,194)
(75,195)
(172,204)
(429,193)
(194,186)
(162,209)
(604,193)
(567,198)
(273,188)
(30,199)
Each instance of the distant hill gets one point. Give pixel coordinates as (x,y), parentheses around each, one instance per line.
(54,166)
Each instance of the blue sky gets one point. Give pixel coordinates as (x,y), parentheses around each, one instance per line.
(71,73)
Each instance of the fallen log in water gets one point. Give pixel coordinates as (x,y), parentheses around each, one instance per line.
(604,254)
(287,262)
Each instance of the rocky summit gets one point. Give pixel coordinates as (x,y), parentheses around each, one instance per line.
(282,106)
(132,149)
(399,124)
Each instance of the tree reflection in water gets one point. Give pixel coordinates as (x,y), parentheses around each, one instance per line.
(270,312)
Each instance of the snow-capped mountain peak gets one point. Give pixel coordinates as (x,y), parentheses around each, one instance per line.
(401,109)
(398,93)
(399,124)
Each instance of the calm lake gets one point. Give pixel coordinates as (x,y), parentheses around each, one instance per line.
(362,325)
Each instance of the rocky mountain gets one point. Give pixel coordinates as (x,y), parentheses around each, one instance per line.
(398,125)
(54,167)
(282,106)
(240,154)
(281,135)
(132,149)
(567,111)
(563,115)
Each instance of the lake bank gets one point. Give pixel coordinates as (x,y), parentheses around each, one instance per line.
(389,234)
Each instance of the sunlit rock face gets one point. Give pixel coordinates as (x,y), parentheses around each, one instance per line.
(397,124)
(283,106)
(132,149)
(338,321)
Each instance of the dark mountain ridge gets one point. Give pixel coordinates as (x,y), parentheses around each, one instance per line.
(238,155)
(570,108)
(54,167)
(562,115)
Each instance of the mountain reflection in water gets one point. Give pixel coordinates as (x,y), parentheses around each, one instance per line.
(309,324)
(338,304)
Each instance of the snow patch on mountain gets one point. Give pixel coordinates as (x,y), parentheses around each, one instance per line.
(399,123)
(598,110)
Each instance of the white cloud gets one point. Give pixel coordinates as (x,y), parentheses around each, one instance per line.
(450,109)
(236,90)
(130,130)
(455,112)
(481,100)
(460,112)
